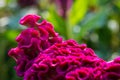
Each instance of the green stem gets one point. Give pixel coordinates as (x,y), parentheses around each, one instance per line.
(69,34)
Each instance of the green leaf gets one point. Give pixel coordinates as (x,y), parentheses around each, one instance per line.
(92,22)
(117,3)
(77,11)
(3,44)
(8,2)
(11,34)
(57,21)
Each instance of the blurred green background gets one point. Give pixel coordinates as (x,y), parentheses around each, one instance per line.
(94,22)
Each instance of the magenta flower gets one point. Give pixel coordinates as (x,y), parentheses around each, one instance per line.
(41,54)
(112,70)
(32,41)
(30,20)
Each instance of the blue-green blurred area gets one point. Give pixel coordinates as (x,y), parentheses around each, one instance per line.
(94,22)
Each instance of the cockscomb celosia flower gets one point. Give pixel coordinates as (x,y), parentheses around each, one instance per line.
(41,54)
(38,37)
(112,70)
(64,61)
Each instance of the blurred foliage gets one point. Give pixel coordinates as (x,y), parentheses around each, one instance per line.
(94,22)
